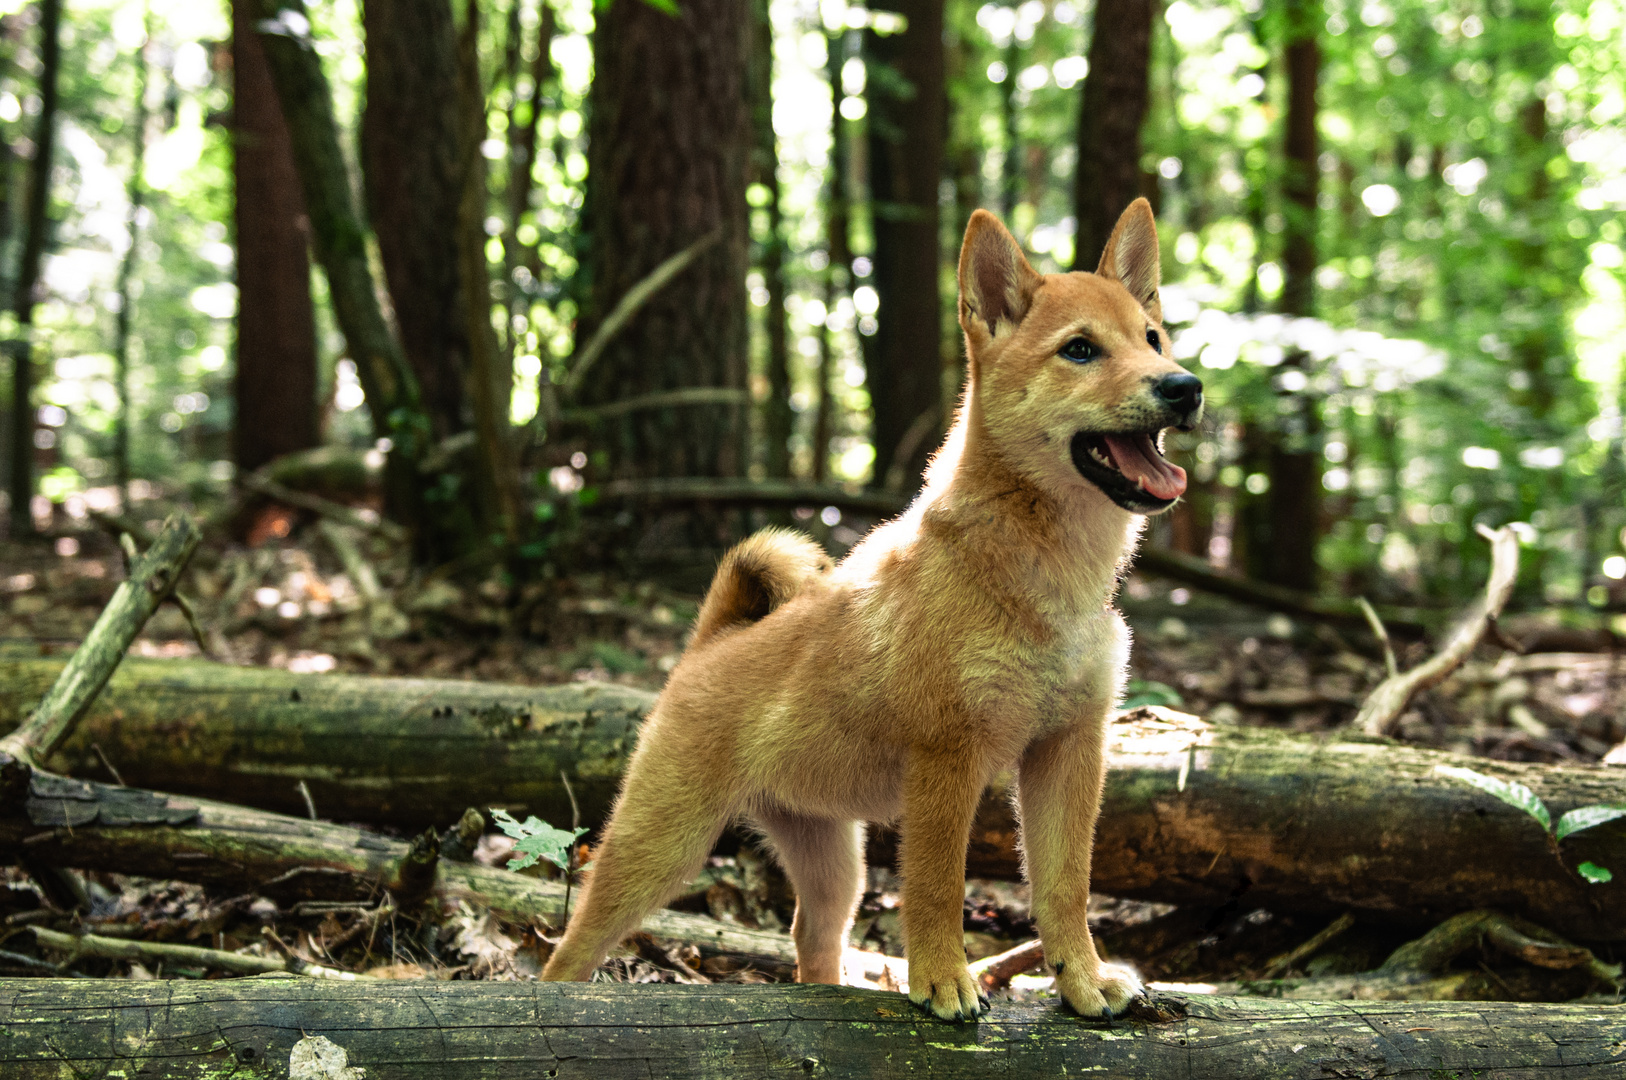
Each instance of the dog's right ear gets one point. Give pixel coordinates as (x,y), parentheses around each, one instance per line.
(996,282)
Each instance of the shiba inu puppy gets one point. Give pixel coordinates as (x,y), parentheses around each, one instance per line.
(973,633)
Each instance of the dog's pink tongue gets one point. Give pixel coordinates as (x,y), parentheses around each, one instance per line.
(1138,459)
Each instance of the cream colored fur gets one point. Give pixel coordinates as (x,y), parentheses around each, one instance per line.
(973,633)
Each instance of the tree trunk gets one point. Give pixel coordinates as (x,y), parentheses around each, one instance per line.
(412,154)
(777,417)
(275,382)
(838,270)
(1294,455)
(1113,107)
(608,1031)
(907,127)
(36,227)
(668,155)
(340,240)
(1267,818)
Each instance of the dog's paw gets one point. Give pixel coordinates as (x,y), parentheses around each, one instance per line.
(1105,992)
(951,994)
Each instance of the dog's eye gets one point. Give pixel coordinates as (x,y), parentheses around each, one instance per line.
(1152,340)
(1081,350)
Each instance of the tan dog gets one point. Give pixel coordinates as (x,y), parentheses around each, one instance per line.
(973,633)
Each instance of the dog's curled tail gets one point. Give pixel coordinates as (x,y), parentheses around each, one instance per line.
(756,576)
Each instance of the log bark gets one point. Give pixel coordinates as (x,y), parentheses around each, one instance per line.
(500,1030)
(1266,818)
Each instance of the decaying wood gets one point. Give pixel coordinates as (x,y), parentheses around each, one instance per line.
(366,520)
(75,823)
(1266,817)
(151,580)
(606,1031)
(1383,706)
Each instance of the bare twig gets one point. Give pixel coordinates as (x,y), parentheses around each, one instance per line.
(1286,962)
(151,581)
(108,765)
(666,399)
(1382,634)
(1384,705)
(325,508)
(310,803)
(995,972)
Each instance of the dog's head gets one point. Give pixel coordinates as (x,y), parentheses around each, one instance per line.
(1072,371)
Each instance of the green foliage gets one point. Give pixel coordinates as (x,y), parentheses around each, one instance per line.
(1147,692)
(536,840)
(1517,795)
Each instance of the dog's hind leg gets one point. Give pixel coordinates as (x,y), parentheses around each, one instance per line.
(824,860)
(663,828)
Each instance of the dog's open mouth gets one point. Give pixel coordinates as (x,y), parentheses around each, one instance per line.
(1129,468)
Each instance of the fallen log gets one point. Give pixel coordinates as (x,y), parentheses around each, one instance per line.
(86,825)
(271,1026)
(1264,817)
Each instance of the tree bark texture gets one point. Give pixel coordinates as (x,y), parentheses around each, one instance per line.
(413,162)
(1111,111)
(274,385)
(1294,460)
(605,1031)
(907,127)
(36,226)
(668,154)
(777,417)
(339,237)
(1266,818)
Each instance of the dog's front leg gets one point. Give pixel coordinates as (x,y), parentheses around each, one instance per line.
(940,798)
(1059,790)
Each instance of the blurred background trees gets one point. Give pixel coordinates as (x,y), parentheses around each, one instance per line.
(1392,247)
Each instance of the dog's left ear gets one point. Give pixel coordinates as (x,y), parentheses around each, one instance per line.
(1131,257)
(996,282)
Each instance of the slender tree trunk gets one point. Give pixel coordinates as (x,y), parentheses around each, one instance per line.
(121,331)
(522,165)
(669,151)
(36,226)
(777,417)
(1010,166)
(275,380)
(339,239)
(907,109)
(1294,457)
(1110,115)
(838,249)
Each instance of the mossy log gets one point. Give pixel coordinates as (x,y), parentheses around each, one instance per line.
(1262,817)
(261,1027)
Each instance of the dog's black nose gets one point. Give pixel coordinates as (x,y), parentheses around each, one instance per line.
(1182,392)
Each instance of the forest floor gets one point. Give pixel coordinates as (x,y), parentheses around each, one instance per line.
(291,603)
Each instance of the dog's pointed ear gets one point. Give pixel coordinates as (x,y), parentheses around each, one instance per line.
(1131,257)
(996,282)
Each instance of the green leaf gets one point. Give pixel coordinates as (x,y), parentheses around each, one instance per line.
(536,840)
(1596,874)
(1146,692)
(1585,817)
(1509,791)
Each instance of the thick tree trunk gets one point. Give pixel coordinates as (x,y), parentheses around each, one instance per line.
(1110,115)
(36,227)
(606,1031)
(1294,456)
(275,382)
(1266,818)
(412,154)
(907,104)
(668,154)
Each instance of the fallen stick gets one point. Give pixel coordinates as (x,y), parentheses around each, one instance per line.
(185,955)
(151,580)
(609,1031)
(1267,817)
(324,508)
(1383,706)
